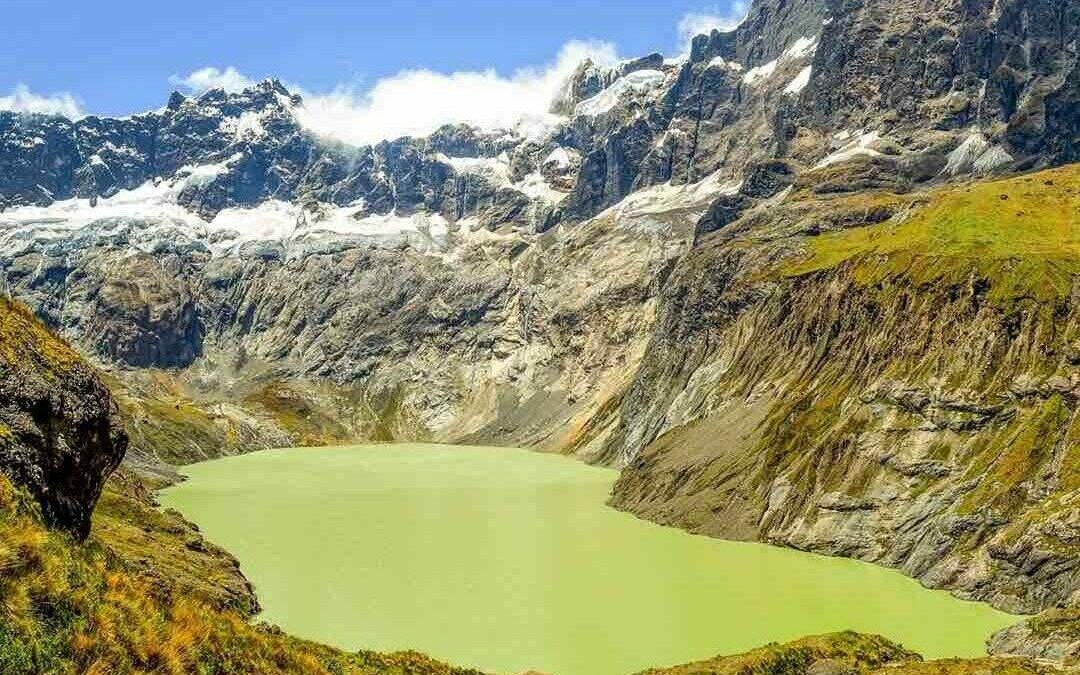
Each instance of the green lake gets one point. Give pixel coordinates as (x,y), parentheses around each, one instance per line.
(509,560)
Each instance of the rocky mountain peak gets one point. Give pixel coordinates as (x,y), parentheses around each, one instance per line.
(176,99)
(587,80)
(980,87)
(768,29)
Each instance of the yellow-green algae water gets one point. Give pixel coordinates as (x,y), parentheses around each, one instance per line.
(509,560)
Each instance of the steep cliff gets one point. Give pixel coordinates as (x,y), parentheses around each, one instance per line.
(901,392)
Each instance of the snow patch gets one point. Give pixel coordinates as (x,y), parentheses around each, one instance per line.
(204,174)
(641,210)
(976,155)
(534,186)
(278,221)
(760,72)
(801,48)
(154,204)
(560,157)
(495,169)
(666,137)
(637,83)
(153,200)
(247,125)
(861,146)
(720,62)
(800,81)
(151,216)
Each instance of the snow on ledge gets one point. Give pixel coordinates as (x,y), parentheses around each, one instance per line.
(861,146)
(151,217)
(800,81)
(278,221)
(497,170)
(800,49)
(637,82)
(560,158)
(640,211)
(720,62)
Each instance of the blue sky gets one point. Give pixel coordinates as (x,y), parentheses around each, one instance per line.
(116,56)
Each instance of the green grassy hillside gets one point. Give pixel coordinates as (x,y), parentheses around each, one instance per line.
(1022,234)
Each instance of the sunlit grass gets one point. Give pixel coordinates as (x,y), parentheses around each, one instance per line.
(1022,235)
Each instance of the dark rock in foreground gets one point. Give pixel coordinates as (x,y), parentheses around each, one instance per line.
(60,435)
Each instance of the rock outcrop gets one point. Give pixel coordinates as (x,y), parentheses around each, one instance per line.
(60,435)
(1052,636)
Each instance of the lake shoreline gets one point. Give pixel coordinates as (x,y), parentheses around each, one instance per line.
(598,501)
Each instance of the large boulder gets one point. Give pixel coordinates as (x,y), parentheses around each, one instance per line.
(60,433)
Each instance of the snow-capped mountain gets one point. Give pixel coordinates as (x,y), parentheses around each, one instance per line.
(982,89)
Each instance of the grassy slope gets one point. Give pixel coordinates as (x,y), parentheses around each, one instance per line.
(1023,233)
(1021,238)
(25,341)
(956,298)
(847,654)
(167,550)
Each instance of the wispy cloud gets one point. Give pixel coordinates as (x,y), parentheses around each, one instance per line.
(417,102)
(702,23)
(23,100)
(230,79)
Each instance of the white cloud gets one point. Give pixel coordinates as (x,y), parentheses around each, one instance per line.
(204,79)
(703,23)
(25,101)
(417,102)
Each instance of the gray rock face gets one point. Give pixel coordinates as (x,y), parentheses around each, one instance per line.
(261,148)
(770,26)
(1050,636)
(1007,67)
(60,436)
